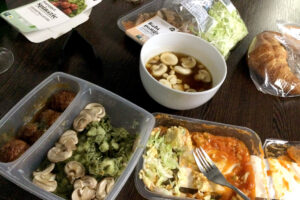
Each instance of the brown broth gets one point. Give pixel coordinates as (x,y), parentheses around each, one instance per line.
(186,79)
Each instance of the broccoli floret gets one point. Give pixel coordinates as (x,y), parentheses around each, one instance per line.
(92,132)
(114,145)
(104,147)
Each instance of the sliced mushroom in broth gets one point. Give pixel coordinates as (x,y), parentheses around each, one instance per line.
(183,72)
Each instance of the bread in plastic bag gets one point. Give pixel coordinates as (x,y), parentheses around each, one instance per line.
(216,21)
(274,61)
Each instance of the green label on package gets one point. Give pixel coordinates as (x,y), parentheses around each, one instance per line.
(44,14)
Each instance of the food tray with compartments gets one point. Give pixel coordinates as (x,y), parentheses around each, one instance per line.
(121,112)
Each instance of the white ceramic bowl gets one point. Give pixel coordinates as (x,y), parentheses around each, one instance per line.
(190,45)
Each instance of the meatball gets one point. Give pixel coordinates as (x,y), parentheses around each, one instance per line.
(12,150)
(30,133)
(61,100)
(48,117)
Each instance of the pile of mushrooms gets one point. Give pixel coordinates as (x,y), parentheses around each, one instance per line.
(64,147)
(85,187)
(62,150)
(165,66)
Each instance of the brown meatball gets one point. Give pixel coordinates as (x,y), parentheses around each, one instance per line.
(61,100)
(48,117)
(12,150)
(30,133)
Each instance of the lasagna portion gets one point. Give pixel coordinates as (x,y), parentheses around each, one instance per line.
(232,157)
(169,167)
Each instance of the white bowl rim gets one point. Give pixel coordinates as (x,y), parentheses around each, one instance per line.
(183,92)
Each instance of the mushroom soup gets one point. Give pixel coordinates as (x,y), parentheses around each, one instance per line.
(180,72)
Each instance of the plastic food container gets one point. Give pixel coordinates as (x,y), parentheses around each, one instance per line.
(216,21)
(246,135)
(281,145)
(122,114)
(149,7)
(288,185)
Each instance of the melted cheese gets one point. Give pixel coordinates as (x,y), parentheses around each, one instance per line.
(285,177)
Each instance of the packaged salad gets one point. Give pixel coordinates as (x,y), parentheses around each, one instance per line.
(216,21)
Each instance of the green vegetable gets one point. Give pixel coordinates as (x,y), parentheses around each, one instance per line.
(160,162)
(103,150)
(228,30)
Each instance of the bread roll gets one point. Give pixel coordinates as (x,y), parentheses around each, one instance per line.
(268,58)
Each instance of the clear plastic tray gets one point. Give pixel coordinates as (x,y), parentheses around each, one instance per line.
(276,152)
(149,7)
(246,135)
(274,149)
(122,114)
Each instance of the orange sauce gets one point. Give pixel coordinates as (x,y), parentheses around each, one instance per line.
(297,179)
(285,184)
(269,172)
(229,151)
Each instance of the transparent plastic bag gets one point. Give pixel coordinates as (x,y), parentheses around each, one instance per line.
(274,61)
(216,21)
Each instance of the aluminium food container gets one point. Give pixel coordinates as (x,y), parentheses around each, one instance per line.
(246,135)
(121,112)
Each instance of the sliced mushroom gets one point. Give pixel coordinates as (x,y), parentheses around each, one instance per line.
(203,75)
(97,111)
(166,83)
(178,87)
(191,90)
(82,120)
(188,62)
(85,181)
(148,65)
(58,153)
(186,86)
(69,139)
(92,112)
(172,79)
(84,193)
(182,70)
(201,66)
(169,58)
(172,72)
(104,187)
(154,60)
(45,179)
(74,170)
(159,70)
(165,75)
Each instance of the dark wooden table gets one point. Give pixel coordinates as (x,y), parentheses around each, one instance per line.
(238,102)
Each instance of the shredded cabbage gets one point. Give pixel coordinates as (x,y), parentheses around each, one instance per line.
(228,30)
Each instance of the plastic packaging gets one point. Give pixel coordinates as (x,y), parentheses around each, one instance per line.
(122,114)
(216,21)
(249,137)
(274,61)
(283,171)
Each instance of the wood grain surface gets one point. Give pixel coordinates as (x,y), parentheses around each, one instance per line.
(237,102)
